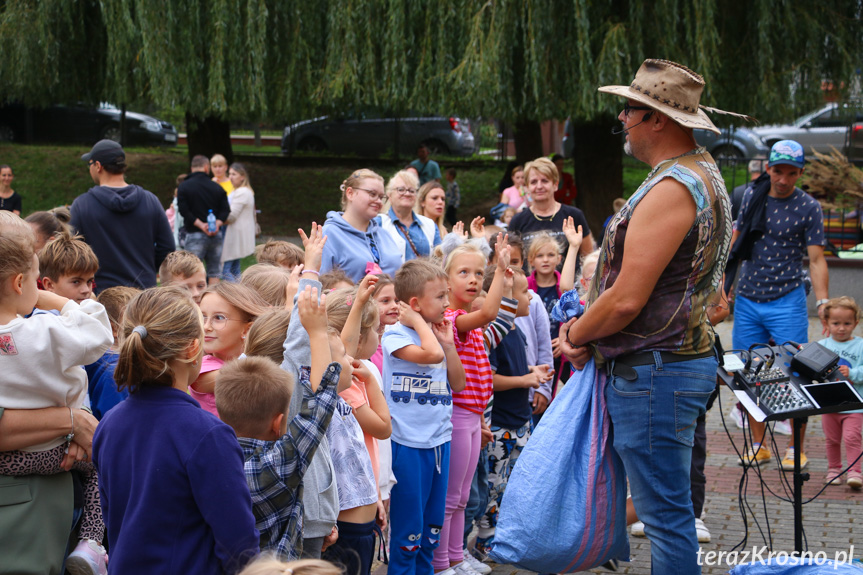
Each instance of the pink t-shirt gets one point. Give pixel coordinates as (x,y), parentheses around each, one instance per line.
(479,386)
(356,396)
(207,400)
(377,358)
(513,197)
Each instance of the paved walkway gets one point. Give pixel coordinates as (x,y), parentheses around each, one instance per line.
(829,521)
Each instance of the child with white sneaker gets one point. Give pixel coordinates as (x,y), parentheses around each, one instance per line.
(59,345)
(841,315)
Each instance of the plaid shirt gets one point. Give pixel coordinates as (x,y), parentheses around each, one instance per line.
(275,469)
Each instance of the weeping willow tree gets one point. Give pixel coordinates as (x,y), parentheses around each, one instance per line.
(521,61)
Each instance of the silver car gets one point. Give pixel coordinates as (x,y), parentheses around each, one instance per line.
(372,135)
(820,130)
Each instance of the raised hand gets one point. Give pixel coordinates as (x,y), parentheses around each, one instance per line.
(573,235)
(503,251)
(443,332)
(314,246)
(366,288)
(408,317)
(313,313)
(477,229)
(458,228)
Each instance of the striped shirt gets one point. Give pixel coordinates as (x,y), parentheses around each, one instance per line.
(473,353)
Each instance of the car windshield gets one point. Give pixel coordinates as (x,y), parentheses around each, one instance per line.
(808,117)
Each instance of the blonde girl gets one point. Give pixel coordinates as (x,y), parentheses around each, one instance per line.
(158,453)
(465,268)
(431,203)
(361,408)
(228,310)
(219,167)
(388,313)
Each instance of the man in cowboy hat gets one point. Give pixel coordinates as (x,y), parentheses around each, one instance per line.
(659,268)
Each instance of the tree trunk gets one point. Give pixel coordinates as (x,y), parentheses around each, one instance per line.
(209,136)
(528,140)
(598,158)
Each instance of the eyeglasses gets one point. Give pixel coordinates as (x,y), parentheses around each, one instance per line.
(373,195)
(405,191)
(627,109)
(218,321)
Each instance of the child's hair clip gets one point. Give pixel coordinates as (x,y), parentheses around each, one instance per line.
(349,301)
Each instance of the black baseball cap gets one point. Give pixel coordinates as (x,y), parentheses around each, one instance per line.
(105,152)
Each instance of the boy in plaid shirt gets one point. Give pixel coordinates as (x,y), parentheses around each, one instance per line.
(253,396)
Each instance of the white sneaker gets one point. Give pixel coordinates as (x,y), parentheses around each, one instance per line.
(637,529)
(476,564)
(88,558)
(701,531)
(449,571)
(738,417)
(783,427)
(463,569)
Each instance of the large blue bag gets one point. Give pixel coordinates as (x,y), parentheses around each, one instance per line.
(564,509)
(797,566)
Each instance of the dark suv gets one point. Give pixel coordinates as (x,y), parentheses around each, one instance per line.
(373,135)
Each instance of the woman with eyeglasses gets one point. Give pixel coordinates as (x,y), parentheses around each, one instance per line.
(415,235)
(355,241)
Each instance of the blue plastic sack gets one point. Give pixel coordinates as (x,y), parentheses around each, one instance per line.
(797,566)
(564,508)
(498,210)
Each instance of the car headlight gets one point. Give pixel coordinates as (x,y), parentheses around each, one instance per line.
(152,126)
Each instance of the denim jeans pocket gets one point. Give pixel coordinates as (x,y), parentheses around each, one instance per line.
(625,388)
(688,406)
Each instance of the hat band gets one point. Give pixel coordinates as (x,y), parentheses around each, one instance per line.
(668,102)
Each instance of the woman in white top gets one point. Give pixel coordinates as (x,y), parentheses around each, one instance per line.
(415,235)
(240,235)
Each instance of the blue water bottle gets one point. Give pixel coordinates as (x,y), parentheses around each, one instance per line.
(211,222)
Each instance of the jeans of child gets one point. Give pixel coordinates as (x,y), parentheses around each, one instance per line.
(464,454)
(231,271)
(208,249)
(654,419)
(842,428)
(478,499)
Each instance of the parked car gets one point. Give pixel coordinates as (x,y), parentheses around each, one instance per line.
(855,143)
(732,143)
(372,135)
(820,130)
(737,143)
(82,124)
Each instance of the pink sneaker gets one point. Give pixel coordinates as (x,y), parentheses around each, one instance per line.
(833,477)
(88,558)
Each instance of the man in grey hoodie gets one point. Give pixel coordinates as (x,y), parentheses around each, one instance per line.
(124,224)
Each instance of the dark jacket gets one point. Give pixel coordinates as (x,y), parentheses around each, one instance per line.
(127,230)
(197,195)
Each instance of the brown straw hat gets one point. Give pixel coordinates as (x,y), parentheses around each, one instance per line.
(672,89)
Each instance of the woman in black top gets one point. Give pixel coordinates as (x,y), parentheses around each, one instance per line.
(9,199)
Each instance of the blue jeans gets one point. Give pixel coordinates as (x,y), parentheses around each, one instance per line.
(783,319)
(231,271)
(208,249)
(654,419)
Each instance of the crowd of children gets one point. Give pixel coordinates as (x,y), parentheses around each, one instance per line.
(298,414)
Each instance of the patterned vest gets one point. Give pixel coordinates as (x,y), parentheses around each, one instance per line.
(675,316)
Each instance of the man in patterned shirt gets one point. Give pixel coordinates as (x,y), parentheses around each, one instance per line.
(253,396)
(779,223)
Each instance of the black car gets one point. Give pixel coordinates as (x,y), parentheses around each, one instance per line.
(82,124)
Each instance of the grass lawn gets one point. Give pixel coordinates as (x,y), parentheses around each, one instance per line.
(288,196)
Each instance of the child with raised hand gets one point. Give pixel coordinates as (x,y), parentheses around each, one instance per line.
(421,370)
(465,267)
(42,359)
(320,497)
(841,316)
(363,418)
(228,310)
(253,396)
(171,475)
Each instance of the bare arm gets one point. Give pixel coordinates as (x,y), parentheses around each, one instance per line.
(374,417)
(575,238)
(429,351)
(482,317)
(646,255)
(22,428)
(313,315)
(819,274)
(351,330)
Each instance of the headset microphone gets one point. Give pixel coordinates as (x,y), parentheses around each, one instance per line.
(618,131)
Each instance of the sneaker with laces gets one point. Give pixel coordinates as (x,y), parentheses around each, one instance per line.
(476,564)
(762,455)
(449,571)
(782,427)
(701,531)
(463,569)
(738,417)
(88,558)
(637,529)
(833,477)
(788,462)
(854,482)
